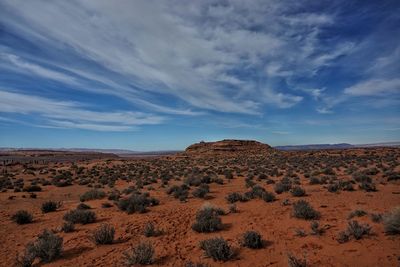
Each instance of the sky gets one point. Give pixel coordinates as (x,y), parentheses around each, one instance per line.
(161,75)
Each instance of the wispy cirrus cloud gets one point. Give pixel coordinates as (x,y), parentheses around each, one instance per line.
(195,52)
(374,87)
(66,114)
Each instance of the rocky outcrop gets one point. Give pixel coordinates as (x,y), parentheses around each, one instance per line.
(228,146)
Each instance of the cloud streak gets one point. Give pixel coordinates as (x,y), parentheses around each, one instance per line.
(194,52)
(64,114)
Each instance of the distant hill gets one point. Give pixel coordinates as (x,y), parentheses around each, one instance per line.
(336,146)
(228,146)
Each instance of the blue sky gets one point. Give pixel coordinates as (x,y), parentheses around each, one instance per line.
(155,75)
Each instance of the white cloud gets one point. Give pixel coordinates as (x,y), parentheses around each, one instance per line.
(324,110)
(374,87)
(31,68)
(72,114)
(198,51)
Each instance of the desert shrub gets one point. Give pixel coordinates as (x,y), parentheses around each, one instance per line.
(368,187)
(83,206)
(192,181)
(234,197)
(300,232)
(293,261)
(49,206)
(346,186)
(46,247)
(249,182)
(233,208)
(22,217)
(201,191)
(252,239)
(217,249)
(315,180)
(207,220)
(33,188)
(391,222)
(376,217)
(343,237)
(68,227)
(256,192)
(104,234)
(228,174)
(179,192)
(356,213)
(80,216)
(106,205)
(114,195)
(297,191)
(26,259)
(218,180)
(333,187)
(150,230)
(358,230)
(392,176)
(268,196)
(280,187)
(92,194)
(142,254)
(316,229)
(303,210)
(137,203)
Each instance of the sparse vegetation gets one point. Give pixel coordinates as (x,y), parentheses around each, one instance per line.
(150,230)
(293,261)
(22,217)
(391,222)
(47,248)
(252,239)
(92,194)
(297,191)
(68,227)
(137,203)
(141,254)
(207,220)
(303,210)
(217,248)
(80,216)
(50,206)
(104,234)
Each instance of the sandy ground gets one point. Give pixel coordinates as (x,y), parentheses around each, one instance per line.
(179,243)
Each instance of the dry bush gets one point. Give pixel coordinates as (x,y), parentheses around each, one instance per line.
(142,254)
(391,222)
(207,219)
(303,210)
(104,234)
(217,248)
(22,217)
(137,203)
(47,247)
(80,216)
(92,194)
(50,206)
(296,262)
(297,191)
(68,227)
(252,239)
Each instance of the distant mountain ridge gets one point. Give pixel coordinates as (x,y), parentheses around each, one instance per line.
(336,146)
(219,145)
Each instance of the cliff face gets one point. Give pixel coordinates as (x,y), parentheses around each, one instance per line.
(227,145)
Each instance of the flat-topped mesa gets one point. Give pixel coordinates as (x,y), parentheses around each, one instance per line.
(228,145)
